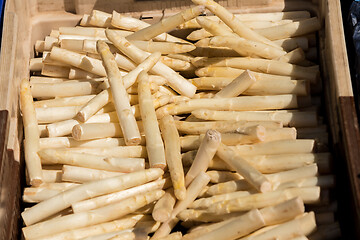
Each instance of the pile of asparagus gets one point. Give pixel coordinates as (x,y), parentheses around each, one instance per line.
(134,130)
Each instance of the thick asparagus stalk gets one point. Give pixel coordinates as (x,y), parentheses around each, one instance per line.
(31,145)
(173,155)
(253,176)
(121,101)
(154,143)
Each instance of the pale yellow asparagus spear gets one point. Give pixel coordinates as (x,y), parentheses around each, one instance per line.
(231,104)
(132,24)
(118,196)
(64,89)
(121,101)
(166,24)
(173,155)
(154,145)
(164,207)
(94,105)
(303,225)
(177,82)
(276,147)
(100,19)
(126,222)
(31,145)
(101,215)
(260,200)
(191,193)
(206,152)
(253,176)
(234,23)
(237,86)
(290,119)
(117,152)
(264,66)
(84,191)
(293,29)
(246,48)
(236,227)
(62,142)
(63,102)
(64,156)
(83,175)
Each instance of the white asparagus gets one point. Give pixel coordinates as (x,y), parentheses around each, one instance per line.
(64,156)
(234,23)
(121,100)
(173,155)
(81,61)
(251,128)
(62,142)
(246,17)
(252,175)
(164,207)
(56,114)
(83,175)
(263,66)
(118,196)
(289,146)
(132,24)
(87,190)
(192,142)
(55,71)
(163,47)
(290,119)
(117,152)
(101,215)
(231,104)
(77,73)
(64,89)
(289,44)
(303,225)
(100,19)
(203,203)
(260,200)
(94,105)
(44,192)
(237,86)
(246,47)
(222,176)
(145,65)
(206,152)
(35,64)
(293,29)
(294,174)
(63,102)
(166,24)
(177,82)
(51,176)
(191,193)
(31,131)
(264,85)
(172,236)
(236,227)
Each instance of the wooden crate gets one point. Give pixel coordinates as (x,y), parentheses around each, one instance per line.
(26,21)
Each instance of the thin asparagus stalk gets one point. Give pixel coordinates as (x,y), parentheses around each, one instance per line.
(83,175)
